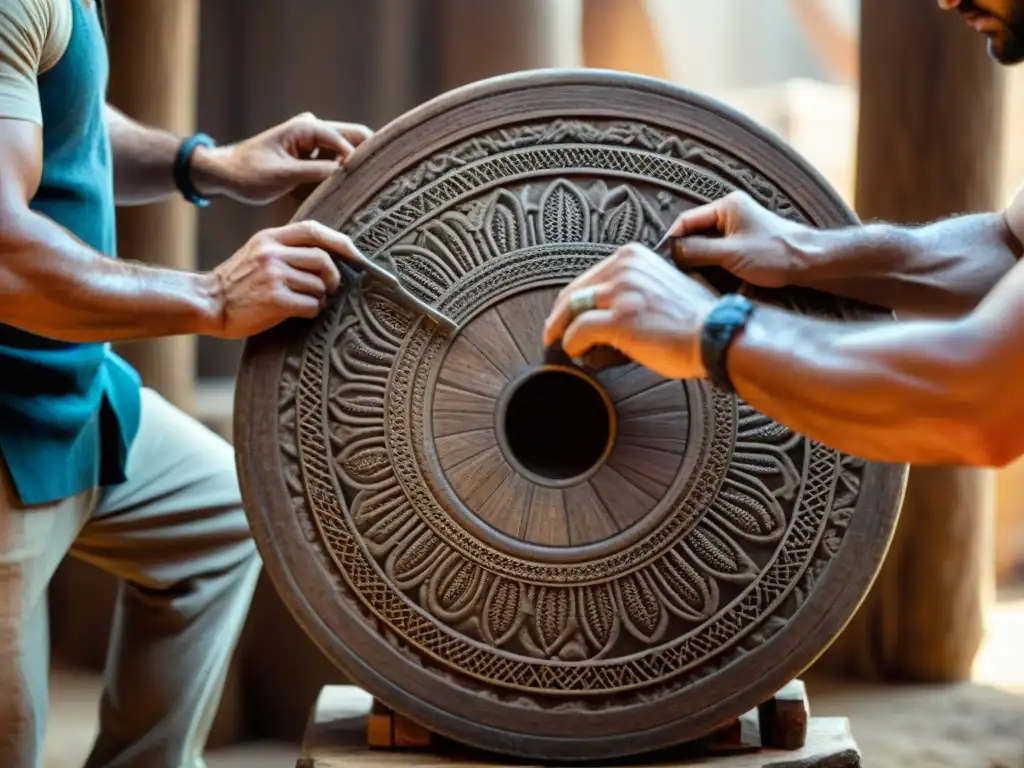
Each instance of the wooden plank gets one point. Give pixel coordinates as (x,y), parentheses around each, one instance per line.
(337,734)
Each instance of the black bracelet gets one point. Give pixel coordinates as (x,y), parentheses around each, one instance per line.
(727,319)
(183,167)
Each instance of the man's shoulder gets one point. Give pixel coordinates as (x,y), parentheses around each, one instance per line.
(61,24)
(34,33)
(33,37)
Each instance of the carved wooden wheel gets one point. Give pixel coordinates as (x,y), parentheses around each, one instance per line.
(528,559)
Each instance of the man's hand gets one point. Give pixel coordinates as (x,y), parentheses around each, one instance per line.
(644,307)
(942,269)
(304,150)
(278,274)
(54,285)
(741,236)
(924,392)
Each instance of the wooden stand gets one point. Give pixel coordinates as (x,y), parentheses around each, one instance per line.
(349,728)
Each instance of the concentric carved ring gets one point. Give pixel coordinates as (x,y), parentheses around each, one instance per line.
(521,556)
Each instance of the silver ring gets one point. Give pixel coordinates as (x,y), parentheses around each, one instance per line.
(583,300)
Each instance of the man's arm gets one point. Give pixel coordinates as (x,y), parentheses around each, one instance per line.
(53,285)
(143,160)
(256,170)
(925,392)
(942,269)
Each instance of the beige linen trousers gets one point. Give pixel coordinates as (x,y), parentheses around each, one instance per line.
(176,537)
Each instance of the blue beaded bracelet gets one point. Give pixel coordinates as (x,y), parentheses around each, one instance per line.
(182,168)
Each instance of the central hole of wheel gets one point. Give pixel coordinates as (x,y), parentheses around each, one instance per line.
(558,424)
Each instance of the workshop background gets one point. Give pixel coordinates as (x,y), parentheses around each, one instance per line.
(846,83)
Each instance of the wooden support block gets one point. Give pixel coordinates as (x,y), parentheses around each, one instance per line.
(386,729)
(407,733)
(345,719)
(784,718)
(380,726)
(779,723)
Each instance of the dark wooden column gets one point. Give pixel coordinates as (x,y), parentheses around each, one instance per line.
(929,146)
(481,39)
(153,54)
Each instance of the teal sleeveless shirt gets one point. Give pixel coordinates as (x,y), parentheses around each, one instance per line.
(69,412)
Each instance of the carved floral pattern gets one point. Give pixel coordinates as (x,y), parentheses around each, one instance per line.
(445,250)
(681,588)
(726,566)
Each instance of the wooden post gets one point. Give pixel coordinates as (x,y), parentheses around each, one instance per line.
(619,34)
(153,76)
(483,39)
(928,147)
(347,727)
(1009,523)
(835,46)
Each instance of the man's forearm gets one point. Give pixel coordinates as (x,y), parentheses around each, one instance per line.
(55,286)
(917,391)
(943,269)
(144,161)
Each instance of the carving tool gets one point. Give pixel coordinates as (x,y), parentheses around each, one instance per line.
(720,279)
(659,247)
(391,285)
